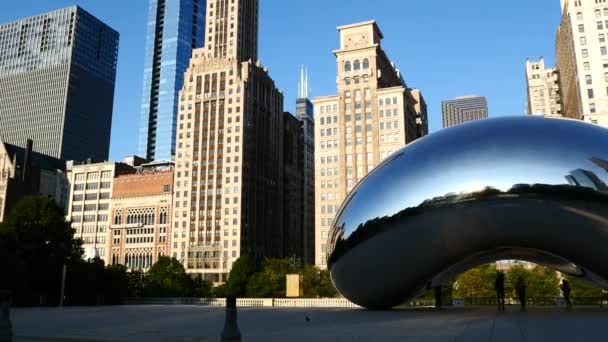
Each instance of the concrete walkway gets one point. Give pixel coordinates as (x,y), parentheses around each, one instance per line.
(197,323)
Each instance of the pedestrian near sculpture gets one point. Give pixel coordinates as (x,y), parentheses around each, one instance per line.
(565,286)
(520,288)
(499,286)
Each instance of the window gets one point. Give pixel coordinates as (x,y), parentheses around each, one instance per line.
(583,40)
(585,53)
(586,66)
(588,79)
(347,66)
(356,65)
(603,50)
(600,25)
(606,77)
(606,11)
(602,38)
(581,28)
(579,16)
(592,107)
(598,13)
(365,63)
(590,93)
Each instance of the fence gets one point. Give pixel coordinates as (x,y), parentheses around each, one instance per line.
(344,303)
(247,302)
(537,301)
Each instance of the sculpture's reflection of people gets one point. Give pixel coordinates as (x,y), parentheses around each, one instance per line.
(520,288)
(499,286)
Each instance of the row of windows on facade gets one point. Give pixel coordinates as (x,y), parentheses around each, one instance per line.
(597,13)
(92,186)
(91,196)
(356,65)
(356,80)
(93,239)
(90,207)
(92,175)
(91,229)
(90,218)
(359,129)
(600,25)
(147,219)
(359,116)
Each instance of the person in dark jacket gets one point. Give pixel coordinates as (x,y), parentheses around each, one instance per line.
(520,288)
(499,286)
(565,286)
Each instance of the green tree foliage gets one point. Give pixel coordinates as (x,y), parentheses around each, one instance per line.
(168,278)
(581,289)
(37,241)
(270,281)
(317,283)
(477,282)
(540,281)
(242,269)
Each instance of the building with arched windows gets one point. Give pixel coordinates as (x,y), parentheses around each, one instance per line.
(141,218)
(373,115)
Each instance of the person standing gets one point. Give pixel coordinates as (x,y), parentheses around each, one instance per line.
(520,288)
(499,286)
(565,286)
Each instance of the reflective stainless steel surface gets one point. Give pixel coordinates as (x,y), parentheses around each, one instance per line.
(526,188)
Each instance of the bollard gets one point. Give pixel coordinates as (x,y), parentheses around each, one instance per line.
(6,329)
(231,328)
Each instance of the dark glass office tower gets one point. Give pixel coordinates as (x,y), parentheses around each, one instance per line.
(175,27)
(57,75)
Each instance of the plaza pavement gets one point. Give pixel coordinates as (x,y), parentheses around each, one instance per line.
(198,323)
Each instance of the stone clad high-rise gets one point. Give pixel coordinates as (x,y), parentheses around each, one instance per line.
(373,115)
(582,59)
(229,157)
(174,28)
(543,89)
(463,109)
(57,76)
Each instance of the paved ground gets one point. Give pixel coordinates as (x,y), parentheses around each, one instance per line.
(196,323)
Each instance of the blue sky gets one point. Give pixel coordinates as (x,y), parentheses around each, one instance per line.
(446,48)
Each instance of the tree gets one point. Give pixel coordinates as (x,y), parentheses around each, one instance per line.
(242,269)
(581,289)
(317,283)
(477,282)
(270,281)
(168,278)
(41,243)
(540,281)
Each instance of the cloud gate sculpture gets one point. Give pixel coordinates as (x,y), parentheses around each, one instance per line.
(527,188)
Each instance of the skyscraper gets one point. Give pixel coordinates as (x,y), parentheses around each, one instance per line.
(372,116)
(422,118)
(175,27)
(582,59)
(229,158)
(57,75)
(304,113)
(463,109)
(543,89)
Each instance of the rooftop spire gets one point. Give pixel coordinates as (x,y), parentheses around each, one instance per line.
(303,84)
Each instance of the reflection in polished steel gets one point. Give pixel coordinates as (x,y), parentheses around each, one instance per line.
(527,188)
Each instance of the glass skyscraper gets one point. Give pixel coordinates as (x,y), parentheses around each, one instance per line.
(175,27)
(57,76)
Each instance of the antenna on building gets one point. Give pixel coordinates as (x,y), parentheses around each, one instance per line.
(305,95)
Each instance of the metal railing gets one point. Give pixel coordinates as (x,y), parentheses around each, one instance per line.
(536,301)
